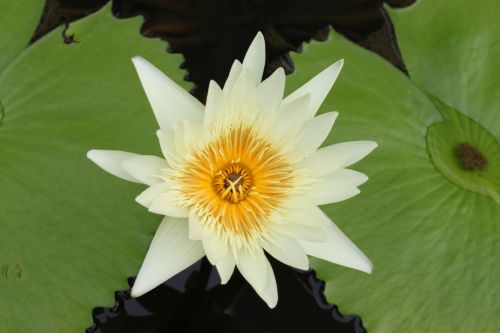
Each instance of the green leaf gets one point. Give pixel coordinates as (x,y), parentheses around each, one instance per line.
(18,20)
(465,152)
(434,243)
(70,233)
(452,50)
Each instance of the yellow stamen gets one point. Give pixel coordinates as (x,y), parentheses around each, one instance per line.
(236,181)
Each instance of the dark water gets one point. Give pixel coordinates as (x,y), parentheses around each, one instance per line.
(193,301)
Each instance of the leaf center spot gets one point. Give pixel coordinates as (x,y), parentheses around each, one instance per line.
(470,157)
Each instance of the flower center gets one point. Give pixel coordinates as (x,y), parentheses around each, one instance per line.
(236,182)
(233,183)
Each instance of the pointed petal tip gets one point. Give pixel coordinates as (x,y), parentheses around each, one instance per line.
(255,56)
(272,303)
(335,68)
(140,288)
(91,154)
(366,266)
(259,38)
(369,146)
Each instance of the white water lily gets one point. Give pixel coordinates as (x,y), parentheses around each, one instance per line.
(241,176)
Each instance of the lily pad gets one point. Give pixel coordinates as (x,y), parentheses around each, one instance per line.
(70,235)
(434,242)
(18,20)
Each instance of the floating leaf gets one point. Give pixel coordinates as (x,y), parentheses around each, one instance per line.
(434,241)
(69,233)
(18,20)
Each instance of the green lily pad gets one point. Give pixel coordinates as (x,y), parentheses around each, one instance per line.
(18,20)
(70,235)
(434,242)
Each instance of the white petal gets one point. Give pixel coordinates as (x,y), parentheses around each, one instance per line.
(270,91)
(354,178)
(215,99)
(309,215)
(329,191)
(215,248)
(304,232)
(255,58)
(253,268)
(170,102)
(225,267)
(111,161)
(338,249)
(339,185)
(234,73)
(243,95)
(146,168)
(192,134)
(151,193)
(291,118)
(180,144)
(286,250)
(165,205)
(168,147)
(169,253)
(318,87)
(196,229)
(340,155)
(270,292)
(315,131)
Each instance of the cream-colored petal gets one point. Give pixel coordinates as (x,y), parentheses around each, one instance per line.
(329,191)
(270,292)
(255,58)
(196,229)
(270,91)
(215,101)
(290,118)
(315,131)
(354,178)
(151,193)
(234,73)
(170,252)
(243,95)
(168,147)
(253,267)
(318,87)
(338,249)
(192,135)
(165,205)
(215,248)
(287,250)
(225,267)
(180,144)
(111,161)
(170,102)
(328,159)
(304,232)
(308,215)
(146,168)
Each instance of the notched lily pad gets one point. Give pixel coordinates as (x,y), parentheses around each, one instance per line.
(72,233)
(434,242)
